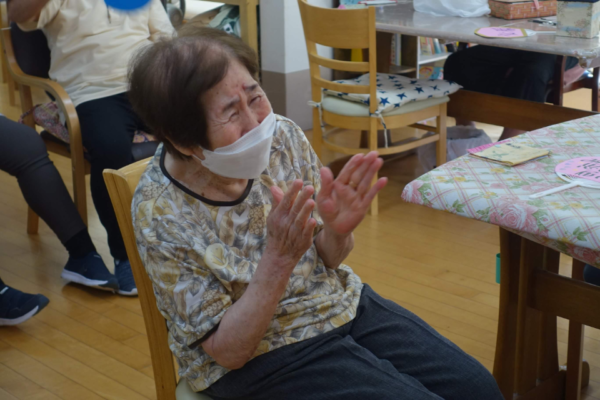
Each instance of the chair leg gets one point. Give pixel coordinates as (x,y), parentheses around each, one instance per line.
(12,87)
(441,130)
(317,142)
(373,135)
(33,222)
(4,69)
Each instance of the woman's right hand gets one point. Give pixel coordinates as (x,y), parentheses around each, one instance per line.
(289,225)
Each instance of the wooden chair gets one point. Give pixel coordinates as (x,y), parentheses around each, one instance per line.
(28,61)
(355,29)
(558,87)
(31,47)
(121,185)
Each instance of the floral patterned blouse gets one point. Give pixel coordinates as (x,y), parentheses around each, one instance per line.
(201,255)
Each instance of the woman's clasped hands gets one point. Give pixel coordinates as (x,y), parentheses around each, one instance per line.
(342,204)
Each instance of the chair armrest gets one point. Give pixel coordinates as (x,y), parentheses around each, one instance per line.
(62,98)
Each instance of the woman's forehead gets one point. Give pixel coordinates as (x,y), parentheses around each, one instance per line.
(232,86)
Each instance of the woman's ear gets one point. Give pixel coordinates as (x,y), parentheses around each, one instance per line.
(187,151)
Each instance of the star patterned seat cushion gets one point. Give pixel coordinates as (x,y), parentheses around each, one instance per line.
(394,91)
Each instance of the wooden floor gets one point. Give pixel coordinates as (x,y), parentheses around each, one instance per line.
(90,345)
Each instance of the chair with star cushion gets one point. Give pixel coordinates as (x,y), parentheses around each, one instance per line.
(28,62)
(121,185)
(349,104)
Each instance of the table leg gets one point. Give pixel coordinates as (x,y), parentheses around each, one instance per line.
(575,347)
(548,359)
(529,319)
(504,362)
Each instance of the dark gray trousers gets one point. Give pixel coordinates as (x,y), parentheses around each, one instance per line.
(386,352)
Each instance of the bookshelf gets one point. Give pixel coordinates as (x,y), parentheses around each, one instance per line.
(426,59)
(412,59)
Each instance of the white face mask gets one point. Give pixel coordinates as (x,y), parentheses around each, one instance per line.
(247,157)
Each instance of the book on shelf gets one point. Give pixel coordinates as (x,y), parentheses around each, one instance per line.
(427,72)
(424,44)
(431,46)
(438,48)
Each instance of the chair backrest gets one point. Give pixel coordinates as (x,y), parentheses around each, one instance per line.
(340,29)
(31,51)
(121,185)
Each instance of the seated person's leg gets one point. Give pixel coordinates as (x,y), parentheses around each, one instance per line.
(528,81)
(479,69)
(414,348)
(107,128)
(329,366)
(486,70)
(591,275)
(23,154)
(17,307)
(386,352)
(530,77)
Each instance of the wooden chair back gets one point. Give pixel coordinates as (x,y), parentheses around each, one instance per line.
(340,29)
(121,185)
(558,87)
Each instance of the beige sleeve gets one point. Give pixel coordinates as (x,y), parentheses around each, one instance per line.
(46,15)
(160,25)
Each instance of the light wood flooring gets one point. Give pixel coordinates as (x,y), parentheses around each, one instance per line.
(91,345)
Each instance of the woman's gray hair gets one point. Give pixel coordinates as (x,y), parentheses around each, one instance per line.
(169,78)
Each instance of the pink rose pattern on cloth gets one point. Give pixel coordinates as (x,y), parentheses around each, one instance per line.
(567,221)
(515,215)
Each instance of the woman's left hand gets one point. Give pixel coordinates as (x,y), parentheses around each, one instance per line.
(342,203)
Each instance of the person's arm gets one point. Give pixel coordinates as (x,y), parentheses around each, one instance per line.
(21,11)
(333,248)
(159,23)
(342,204)
(243,326)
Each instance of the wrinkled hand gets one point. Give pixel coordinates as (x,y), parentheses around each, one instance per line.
(342,203)
(289,226)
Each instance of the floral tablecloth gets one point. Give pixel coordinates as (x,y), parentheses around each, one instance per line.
(567,221)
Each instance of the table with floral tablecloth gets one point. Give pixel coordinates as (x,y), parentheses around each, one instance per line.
(567,221)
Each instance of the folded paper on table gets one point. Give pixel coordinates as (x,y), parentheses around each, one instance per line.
(486,146)
(510,154)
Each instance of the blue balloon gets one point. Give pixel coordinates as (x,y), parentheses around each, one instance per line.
(126,5)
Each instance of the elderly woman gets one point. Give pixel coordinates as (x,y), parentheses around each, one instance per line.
(243,235)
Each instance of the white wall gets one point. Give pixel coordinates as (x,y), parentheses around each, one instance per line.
(284,57)
(282,38)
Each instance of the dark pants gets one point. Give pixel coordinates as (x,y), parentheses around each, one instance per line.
(591,275)
(23,155)
(107,129)
(506,72)
(386,352)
